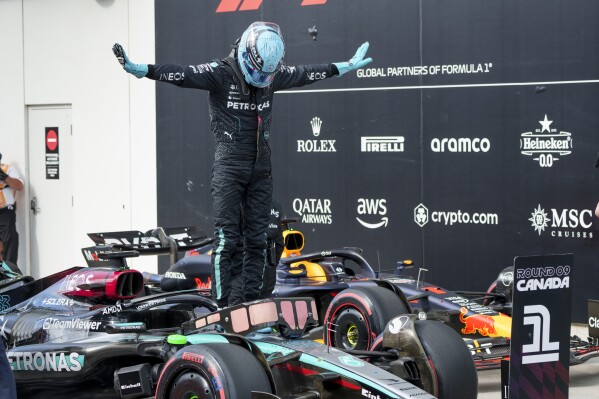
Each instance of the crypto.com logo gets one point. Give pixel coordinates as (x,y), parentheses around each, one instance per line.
(421,215)
(250,5)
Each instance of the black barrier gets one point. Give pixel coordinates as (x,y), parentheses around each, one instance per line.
(594,318)
(540,344)
(467,141)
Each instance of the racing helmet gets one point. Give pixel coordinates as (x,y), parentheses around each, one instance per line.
(260,52)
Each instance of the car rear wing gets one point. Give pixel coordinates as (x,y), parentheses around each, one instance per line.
(112,248)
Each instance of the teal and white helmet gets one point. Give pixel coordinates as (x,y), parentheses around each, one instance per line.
(260,52)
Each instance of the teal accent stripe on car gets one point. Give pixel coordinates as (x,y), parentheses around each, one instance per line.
(195,339)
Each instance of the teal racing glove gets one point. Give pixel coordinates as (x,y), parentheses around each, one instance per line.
(356,62)
(137,70)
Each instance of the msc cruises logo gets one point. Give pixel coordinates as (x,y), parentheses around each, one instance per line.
(563,223)
(546,144)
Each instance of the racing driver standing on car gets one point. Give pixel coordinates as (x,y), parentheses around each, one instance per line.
(241,90)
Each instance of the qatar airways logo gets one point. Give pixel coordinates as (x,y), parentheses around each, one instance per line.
(546,144)
(313,210)
(252,5)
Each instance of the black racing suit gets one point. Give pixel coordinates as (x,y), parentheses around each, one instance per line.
(241,173)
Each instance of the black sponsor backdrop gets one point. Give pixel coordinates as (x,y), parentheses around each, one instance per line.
(520,61)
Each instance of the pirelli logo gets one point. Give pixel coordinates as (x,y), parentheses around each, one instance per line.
(249,5)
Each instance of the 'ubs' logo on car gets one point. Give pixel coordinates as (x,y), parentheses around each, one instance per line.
(373,207)
(563,223)
(546,144)
(313,210)
(382,144)
(316,145)
(464,144)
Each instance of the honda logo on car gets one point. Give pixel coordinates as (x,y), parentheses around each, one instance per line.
(382,144)
(368,206)
(566,223)
(313,210)
(449,218)
(48,361)
(543,278)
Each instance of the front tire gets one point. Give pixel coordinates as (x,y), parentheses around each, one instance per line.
(356,316)
(212,371)
(454,369)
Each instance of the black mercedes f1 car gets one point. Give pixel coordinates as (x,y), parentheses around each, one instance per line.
(103,332)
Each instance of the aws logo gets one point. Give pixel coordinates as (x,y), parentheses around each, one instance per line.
(250,5)
(377,207)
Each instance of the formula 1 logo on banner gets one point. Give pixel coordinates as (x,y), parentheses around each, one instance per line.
(313,210)
(422,216)
(546,144)
(565,223)
(316,145)
(541,350)
(378,207)
(252,5)
(382,144)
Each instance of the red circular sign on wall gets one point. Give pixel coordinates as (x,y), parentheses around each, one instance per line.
(51,140)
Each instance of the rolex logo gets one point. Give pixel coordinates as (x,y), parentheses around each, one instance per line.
(316,123)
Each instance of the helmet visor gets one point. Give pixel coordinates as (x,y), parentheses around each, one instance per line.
(259,77)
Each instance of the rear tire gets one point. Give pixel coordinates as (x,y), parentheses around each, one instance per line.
(451,360)
(356,316)
(212,371)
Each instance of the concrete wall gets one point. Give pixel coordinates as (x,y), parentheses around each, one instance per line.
(59,52)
